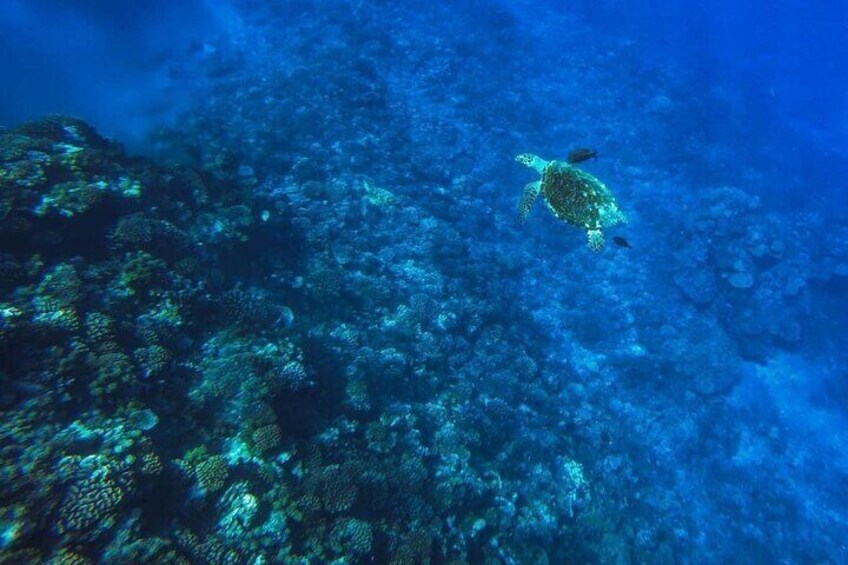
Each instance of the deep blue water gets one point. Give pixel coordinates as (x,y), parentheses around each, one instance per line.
(285,310)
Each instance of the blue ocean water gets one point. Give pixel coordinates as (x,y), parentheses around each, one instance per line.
(274,287)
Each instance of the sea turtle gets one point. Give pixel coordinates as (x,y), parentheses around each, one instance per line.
(573,195)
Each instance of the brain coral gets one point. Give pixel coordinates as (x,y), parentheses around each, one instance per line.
(212,473)
(350,536)
(90,506)
(266,438)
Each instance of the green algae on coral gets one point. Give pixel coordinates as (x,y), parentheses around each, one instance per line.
(379,197)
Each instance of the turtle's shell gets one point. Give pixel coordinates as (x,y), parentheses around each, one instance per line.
(576,197)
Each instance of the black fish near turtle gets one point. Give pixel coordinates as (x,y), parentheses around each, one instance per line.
(621,242)
(581,154)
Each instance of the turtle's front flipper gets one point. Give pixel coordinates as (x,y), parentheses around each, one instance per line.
(528,197)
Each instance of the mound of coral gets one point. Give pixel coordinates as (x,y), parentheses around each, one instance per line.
(174,392)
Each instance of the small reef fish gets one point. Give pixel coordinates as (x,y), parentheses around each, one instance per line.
(621,242)
(580,155)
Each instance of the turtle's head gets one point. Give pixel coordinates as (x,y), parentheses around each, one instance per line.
(525,159)
(532,161)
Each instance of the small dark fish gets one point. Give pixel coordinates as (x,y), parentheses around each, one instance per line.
(621,242)
(580,155)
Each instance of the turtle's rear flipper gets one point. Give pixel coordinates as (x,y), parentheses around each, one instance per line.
(596,239)
(528,197)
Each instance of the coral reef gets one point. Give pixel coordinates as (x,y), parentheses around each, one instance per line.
(150,350)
